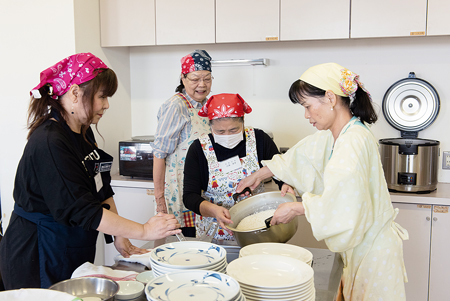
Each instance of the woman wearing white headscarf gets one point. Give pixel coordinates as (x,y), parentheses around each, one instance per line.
(339,175)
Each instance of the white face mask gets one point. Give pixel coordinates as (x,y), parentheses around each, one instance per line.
(228,141)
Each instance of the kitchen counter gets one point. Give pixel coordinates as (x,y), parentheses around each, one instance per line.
(327,268)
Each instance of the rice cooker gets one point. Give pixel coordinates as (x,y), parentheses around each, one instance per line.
(410,164)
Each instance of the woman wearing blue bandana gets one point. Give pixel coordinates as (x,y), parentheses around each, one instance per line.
(178,126)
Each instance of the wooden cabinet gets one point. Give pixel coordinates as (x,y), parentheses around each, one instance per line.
(438,21)
(185,22)
(247,20)
(426,251)
(136,204)
(127,23)
(312,20)
(386,18)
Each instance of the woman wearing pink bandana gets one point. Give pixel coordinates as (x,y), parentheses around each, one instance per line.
(338,173)
(179,125)
(216,162)
(62,192)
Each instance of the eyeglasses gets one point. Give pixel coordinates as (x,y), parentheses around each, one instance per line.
(196,80)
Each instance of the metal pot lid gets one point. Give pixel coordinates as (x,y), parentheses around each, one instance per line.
(411,104)
(403,141)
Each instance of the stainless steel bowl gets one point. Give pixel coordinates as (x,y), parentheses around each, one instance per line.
(102,288)
(257,203)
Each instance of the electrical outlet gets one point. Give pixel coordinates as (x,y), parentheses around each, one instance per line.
(446,160)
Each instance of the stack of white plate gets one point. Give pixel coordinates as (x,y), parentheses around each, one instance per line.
(273,277)
(269,248)
(194,285)
(188,255)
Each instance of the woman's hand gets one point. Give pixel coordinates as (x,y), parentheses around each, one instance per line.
(287,188)
(223,217)
(126,248)
(220,213)
(254,179)
(160,226)
(287,212)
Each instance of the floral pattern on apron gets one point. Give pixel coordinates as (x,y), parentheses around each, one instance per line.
(173,189)
(222,186)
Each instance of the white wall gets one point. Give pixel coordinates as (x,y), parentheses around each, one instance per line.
(380,62)
(32,38)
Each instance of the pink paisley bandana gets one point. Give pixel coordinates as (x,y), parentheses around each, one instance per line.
(224,105)
(76,69)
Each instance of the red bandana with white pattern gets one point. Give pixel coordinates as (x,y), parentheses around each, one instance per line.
(224,105)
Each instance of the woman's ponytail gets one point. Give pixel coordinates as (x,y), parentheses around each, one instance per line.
(362,107)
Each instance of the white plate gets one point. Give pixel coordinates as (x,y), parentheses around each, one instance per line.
(268,248)
(215,267)
(188,254)
(144,277)
(309,297)
(129,290)
(270,271)
(36,294)
(269,291)
(193,285)
(300,295)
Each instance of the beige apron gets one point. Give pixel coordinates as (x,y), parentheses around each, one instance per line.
(221,185)
(173,190)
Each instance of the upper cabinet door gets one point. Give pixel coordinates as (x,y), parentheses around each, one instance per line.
(185,22)
(438,22)
(127,23)
(312,20)
(247,20)
(387,18)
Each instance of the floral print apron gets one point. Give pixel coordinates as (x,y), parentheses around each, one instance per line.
(221,186)
(173,189)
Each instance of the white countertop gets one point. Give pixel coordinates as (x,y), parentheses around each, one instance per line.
(441,196)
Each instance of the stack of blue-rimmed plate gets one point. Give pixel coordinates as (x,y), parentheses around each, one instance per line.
(194,285)
(188,255)
(273,277)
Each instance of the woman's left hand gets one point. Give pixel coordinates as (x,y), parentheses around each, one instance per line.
(126,248)
(287,188)
(287,212)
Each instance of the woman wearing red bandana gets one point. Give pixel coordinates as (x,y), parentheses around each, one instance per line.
(216,162)
(62,188)
(178,126)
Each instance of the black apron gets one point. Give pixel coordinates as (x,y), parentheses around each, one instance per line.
(61,248)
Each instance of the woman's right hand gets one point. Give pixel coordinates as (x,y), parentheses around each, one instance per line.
(160,226)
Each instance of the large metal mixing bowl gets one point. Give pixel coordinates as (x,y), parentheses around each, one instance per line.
(84,287)
(257,203)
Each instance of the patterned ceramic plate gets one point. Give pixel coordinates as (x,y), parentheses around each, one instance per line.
(193,285)
(188,254)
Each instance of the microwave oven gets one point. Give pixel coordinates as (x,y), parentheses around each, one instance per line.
(136,158)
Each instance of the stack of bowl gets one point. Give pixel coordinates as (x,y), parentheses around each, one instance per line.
(194,285)
(188,255)
(273,277)
(268,248)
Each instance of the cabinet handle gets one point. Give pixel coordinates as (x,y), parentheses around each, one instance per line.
(428,218)
(435,219)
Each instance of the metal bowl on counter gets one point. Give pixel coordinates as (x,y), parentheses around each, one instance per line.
(89,287)
(257,203)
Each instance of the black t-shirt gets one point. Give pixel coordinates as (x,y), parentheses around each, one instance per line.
(52,179)
(196,172)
